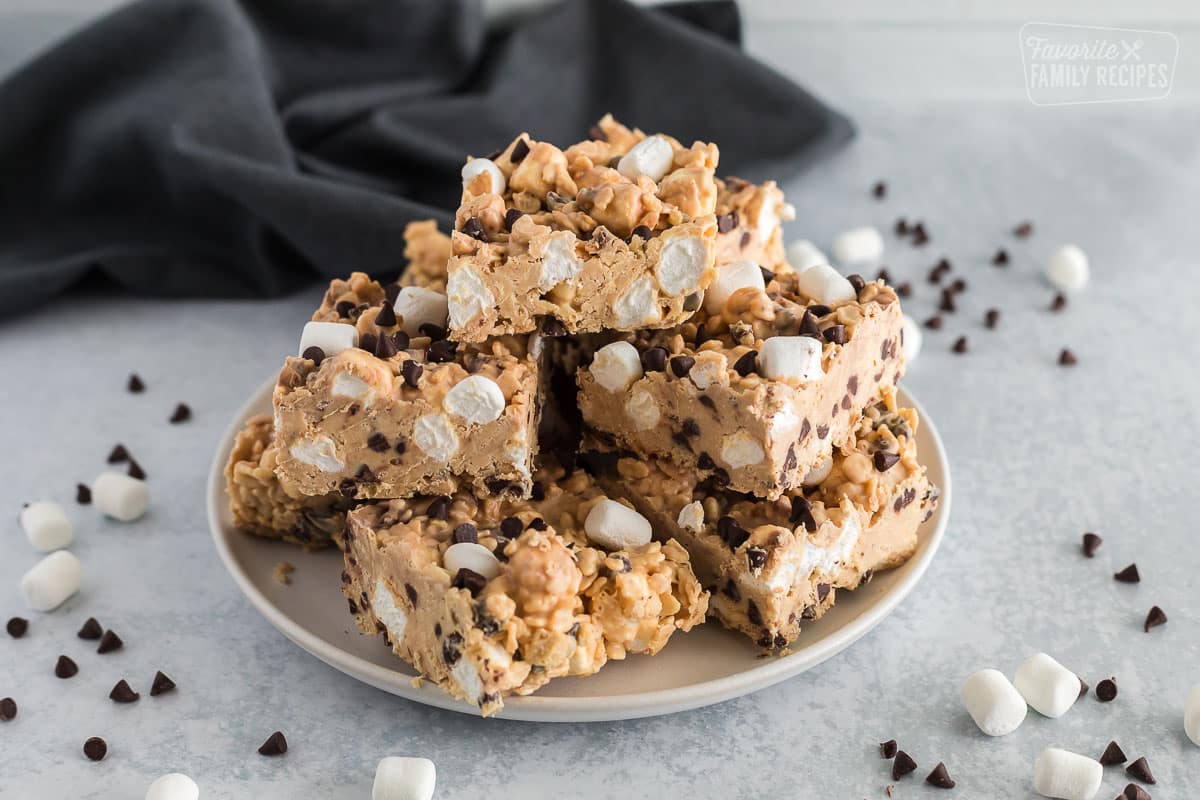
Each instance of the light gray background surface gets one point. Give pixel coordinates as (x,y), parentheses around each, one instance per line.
(1039,453)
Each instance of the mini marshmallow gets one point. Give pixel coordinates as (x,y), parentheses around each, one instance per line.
(319,452)
(1191,716)
(858,246)
(46,525)
(730,278)
(398,778)
(331,337)
(467,296)
(818,474)
(1066,775)
(416,306)
(681,264)
(638,307)
(476,166)
(615,526)
(559,262)
(691,517)
(120,496)
(642,409)
(826,285)
(472,556)
(741,450)
(175,786)
(802,254)
(796,357)
(994,703)
(1068,268)
(616,366)
(652,157)
(476,399)
(1047,685)
(434,434)
(51,581)
(912,339)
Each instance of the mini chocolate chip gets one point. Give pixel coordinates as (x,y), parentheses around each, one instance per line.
(768,275)
(744,242)
(597,134)
(1128,575)
(934,323)
(809,325)
(122,693)
(17,627)
(411,372)
(181,414)
(386,317)
(691,428)
(399,449)
(1113,755)
(727,222)
(654,359)
(991,318)
(747,363)
(822,432)
(385,347)
(511,527)
(1155,618)
(431,330)
(1001,257)
(1091,543)
(802,513)
(940,777)
(959,286)
(643,231)
(888,749)
(135,384)
(1023,230)
(8,709)
(314,354)
(822,592)
(538,492)
(903,765)
(901,228)
(439,508)
(553,327)
(83,494)
(161,684)
(1134,792)
(755,617)
(1140,770)
(344,308)
(442,351)
(857,281)
(135,470)
(519,151)
(960,345)
(470,580)
(756,558)
(884,276)
(401,340)
(885,460)
(65,668)
(1067,359)
(378,442)
(920,235)
(91,630)
(511,216)
(275,745)
(391,292)
(904,289)
(682,365)
(474,228)
(538,524)
(367,342)
(465,532)
(1083,686)
(109,642)
(1106,690)
(95,749)
(1059,302)
(692,301)
(835,334)
(118,455)
(364,474)
(879,190)
(947,302)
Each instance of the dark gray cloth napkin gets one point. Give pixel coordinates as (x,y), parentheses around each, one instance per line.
(223,148)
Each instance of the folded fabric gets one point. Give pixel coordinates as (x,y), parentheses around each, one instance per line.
(218,148)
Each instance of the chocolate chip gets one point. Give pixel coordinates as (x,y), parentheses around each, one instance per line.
(275,745)
(344,308)
(122,693)
(439,508)
(1155,618)
(511,216)
(399,449)
(8,709)
(888,749)
(1113,754)
(1106,690)
(511,527)
(934,323)
(1128,575)
(960,345)
(885,460)
(553,327)
(756,558)
(109,642)
(1067,359)
(474,228)
(768,275)
(879,190)
(745,240)
(378,442)
(386,317)
(1083,686)
(947,302)
(959,286)
(822,592)
(857,281)
(643,232)
(181,414)
(385,347)
(65,668)
(95,749)
(733,534)
(727,222)
(597,134)
(682,365)
(802,513)
(83,495)
(1059,302)
(411,371)
(747,363)
(519,151)
(901,227)
(1091,543)
(904,289)
(538,524)
(314,354)
(470,580)
(135,470)
(1134,792)
(91,630)
(442,351)
(1023,230)
(822,432)
(465,532)
(835,334)
(809,325)
(161,684)
(920,234)
(1140,770)
(940,777)
(1001,257)
(903,765)
(17,627)
(118,455)
(991,318)
(654,359)
(135,384)
(431,330)
(692,301)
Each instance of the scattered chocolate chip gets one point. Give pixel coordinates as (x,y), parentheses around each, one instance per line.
(1091,543)
(1113,754)
(314,354)
(727,222)
(470,580)
(885,460)
(809,325)
(65,668)
(1106,690)
(8,709)
(1128,575)
(474,228)
(1155,618)
(959,286)
(91,630)
(1083,686)
(991,318)
(920,235)
(511,216)
(888,749)
(1134,792)
(879,190)
(411,372)
(17,627)
(118,455)
(940,777)
(161,685)
(109,642)
(442,351)
(122,693)
(385,347)
(904,289)
(95,749)
(1059,302)
(181,414)
(519,151)
(902,765)
(135,384)
(901,227)
(83,494)
(835,334)
(747,363)
(378,442)
(1023,230)
(884,276)
(465,532)
(947,302)
(135,470)
(1140,770)
(960,345)
(1001,258)
(654,359)
(934,323)
(1067,359)
(857,281)
(275,745)
(682,365)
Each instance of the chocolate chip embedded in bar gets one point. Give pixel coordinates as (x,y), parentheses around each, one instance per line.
(615,233)
(770,391)
(521,596)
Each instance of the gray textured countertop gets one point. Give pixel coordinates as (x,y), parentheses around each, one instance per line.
(1039,453)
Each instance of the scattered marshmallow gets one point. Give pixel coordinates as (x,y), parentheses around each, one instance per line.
(652,157)
(1047,685)
(477,166)
(681,263)
(1066,775)
(802,254)
(730,278)
(993,702)
(616,366)
(331,337)
(912,339)
(472,556)
(476,399)
(175,786)
(796,357)
(120,496)
(826,285)
(416,306)
(1191,716)
(615,526)
(819,473)
(858,246)
(46,525)
(398,778)
(1068,268)
(52,580)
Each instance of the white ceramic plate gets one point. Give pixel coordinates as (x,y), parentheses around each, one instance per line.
(707,665)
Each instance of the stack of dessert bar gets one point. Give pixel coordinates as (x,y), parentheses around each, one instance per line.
(603,408)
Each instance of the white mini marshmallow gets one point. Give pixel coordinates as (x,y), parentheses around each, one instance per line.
(616,366)
(175,786)
(1066,775)
(1047,685)
(387,611)
(741,450)
(434,435)
(994,703)
(398,778)
(46,525)
(347,384)
(467,296)
(417,306)
(52,580)
(319,452)
(858,246)
(642,409)
(638,307)
(819,473)
(912,339)
(1068,268)
(652,157)
(796,357)
(681,264)
(615,526)
(826,285)
(476,399)
(730,278)
(1191,716)
(120,496)
(472,556)
(691,517)
(476,166)
(802,254)
(331,337)
(559,262)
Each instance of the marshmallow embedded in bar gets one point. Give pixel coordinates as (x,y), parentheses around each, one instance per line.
(331,337)
(616,526)
(858,246)
(52,581)
(398,778)
(418,306)
(174,786)
(46,525)
(994,703)
(479,166)
(802,254)
(472,556)
(120,496)
(652,157)
(1047,685)
(797,357)
(1067,776)
(616,366)
(730,278)
(1191,716)
(826,285)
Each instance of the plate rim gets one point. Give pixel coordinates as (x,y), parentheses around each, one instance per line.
(607,708)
